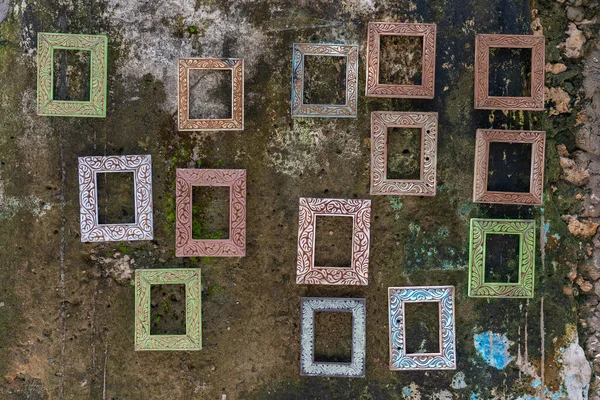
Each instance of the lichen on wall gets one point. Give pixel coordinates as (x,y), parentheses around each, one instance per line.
(66,308)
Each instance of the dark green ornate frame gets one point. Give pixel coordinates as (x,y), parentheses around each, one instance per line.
(190,277)
(97,45)
(526,231)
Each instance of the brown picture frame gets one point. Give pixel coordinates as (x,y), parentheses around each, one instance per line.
(426,89)
(185,244)
(236,122)
(483,43)
(484,137)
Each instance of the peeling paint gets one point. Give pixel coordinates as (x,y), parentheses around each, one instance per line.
(575,371)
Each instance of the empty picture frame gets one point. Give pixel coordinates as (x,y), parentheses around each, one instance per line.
(309,273)
(381,121)
(91,229)
(97,45)
(299,108)
(186,245)
(481,194)
(144,279)
(308,366)
(399,359)
(236,122)
(376,30)
(483,100)
(480,228)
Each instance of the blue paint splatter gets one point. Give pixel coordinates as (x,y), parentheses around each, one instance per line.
(406,391)
(493,348)
(536,383)
(546,230)
(474,396)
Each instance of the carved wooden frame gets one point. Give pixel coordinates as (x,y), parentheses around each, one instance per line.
(185,244)
(426,89)
(308,366)
(306,271)
(91,229)
(483,100)
(482,152)
(236,122)
(97,45)
(445,359)
(192,339)
(349,109)
(380,122)
(524,288)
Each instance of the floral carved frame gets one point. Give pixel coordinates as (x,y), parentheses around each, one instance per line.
(299,108)
(480,228)
(399,359)
(236,122)
(483,43)
(426,89)
(186,245)
(97,45)
(308,366)
(380,122)
(91,229)
(536,183)
(192,339)
(358,273)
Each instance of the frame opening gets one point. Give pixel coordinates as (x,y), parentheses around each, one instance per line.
(401,60)
(325,79)
(422,327)
(210,208)
(502,258)
(333,336)
(404,150)
(116,197)
(72,71)
(509,167)
(167,309)
(333,241)
(210,92)
(510,72)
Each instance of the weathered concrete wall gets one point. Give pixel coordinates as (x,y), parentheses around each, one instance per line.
(66,308)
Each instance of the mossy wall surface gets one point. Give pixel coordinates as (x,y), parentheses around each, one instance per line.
(67,308)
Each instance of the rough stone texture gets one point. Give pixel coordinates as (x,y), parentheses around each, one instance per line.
(581,228)
(66,308)
(573,46)
(555,68)
(559,100)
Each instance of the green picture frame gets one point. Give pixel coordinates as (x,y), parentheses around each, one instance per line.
(192,339)
(480,228)
(97,45)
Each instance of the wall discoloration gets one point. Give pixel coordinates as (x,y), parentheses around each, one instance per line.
(78,342)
